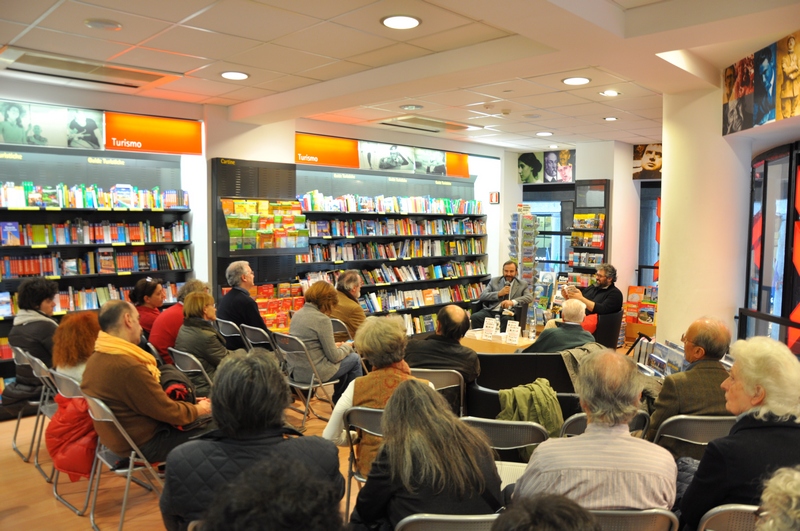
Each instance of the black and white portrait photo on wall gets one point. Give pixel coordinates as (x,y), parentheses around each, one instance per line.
(84,128)
(529,168)
(391,157)
(566,165)
(647,161)
(764,90)
(430,161)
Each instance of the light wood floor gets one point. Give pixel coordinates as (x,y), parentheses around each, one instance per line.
(27,502)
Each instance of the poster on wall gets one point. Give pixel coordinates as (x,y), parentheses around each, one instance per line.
(47,125)
(737,113)
(764,86)
(559,166)
(84,128)
(788,71)
(430,161)
(387,157)
(529,168)
(647,161)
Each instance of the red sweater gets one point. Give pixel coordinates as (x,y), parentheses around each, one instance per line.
(147,317)
(165,330)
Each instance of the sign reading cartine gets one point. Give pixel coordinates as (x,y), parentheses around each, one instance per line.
(153,134)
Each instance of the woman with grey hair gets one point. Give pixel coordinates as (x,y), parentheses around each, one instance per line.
(382,340)
(762,390)
(780,502)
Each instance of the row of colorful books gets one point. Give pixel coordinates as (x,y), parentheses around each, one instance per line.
(112,261)
(588,239)
(396,227)
(420,324)
(315,201)
(28,194)
(82,232)
(339,251)
(387,300)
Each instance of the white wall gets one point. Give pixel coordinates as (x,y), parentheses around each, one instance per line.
(704,212)
(488,171)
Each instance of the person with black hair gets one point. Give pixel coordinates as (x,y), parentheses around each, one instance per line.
(601,298)
(528,168)
(148,296)
(545,512)
(248,403)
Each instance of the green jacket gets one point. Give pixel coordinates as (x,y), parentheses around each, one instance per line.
(534,402)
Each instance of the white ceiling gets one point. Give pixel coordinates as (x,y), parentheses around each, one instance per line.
(495,65)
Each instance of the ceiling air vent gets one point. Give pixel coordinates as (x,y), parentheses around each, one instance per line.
(63,70)
(428,125)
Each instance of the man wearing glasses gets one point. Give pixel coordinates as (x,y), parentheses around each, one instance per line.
(695,391)
(602,298)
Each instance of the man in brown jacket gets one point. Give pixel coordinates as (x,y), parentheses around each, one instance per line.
(695,391)
(126,378)
(349,311)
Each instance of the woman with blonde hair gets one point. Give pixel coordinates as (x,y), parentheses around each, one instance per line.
(198,336)
(430,462)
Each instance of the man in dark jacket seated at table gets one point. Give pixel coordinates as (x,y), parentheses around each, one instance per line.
(601,298)
(249,398)
(569,334)
(444,350)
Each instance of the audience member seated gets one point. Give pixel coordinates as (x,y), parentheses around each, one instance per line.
(276,495)
(780,501)
(126,378)
(70,436)
(148,296)
(312,325)
(33,332)
(383,341)
(349,311)
(249,399)
(165,327)
(569,334)
(430,462)
(444,350)
(605,467)
(198,336)
(237,306)
(695,391)
(545,512)
(762,389)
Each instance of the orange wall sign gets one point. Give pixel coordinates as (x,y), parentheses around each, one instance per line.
(325,151)
(457,165)
(153,134)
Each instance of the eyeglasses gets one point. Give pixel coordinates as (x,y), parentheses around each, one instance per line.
(685,340)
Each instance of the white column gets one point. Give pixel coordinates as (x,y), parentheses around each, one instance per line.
(704,215)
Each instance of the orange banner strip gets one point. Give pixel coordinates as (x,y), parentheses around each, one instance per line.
(153,134)
(326,151)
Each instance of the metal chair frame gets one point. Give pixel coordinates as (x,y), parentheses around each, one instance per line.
(730,517)
(368,420)
(286,344)
(444,379)
(253,337)
(21,360)
(695,429)
(47,408)
(70,388)
(156,354)
(228,328)
(100,412)
(189,363)
(576,424)
(631,520)
(447,522)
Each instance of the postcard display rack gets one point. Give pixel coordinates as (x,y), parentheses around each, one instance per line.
(418,241)
(589,238)
(522,249)
(71,217)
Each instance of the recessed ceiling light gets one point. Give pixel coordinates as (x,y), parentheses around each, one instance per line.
(610,118)
(531,115)
(553,146)
(411,107)
(103,24)
(576,80)
(474,128)
(544,133)
(400,22)
(235,76)
(610,93)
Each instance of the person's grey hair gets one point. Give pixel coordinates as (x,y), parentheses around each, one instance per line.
(610,387)
(191,286)
(235,272)
(713,336)
(250,393)
(348,280)
(573,311)
(781,501)
(111,314)
(769,364)
(382,340)
(609,270)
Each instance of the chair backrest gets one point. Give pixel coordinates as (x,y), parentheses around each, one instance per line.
(41,371)
(444,379)
(507,434)
(340,328)
(20,357)
(446,522)
(608,327)
(291,347)
(504,371)
(100,412)
(255,337)
(228,329)
(365,419)
(576,424)
(188,363)
(629,520)
(695,429)
(730,517)
(156,354)
(67,386)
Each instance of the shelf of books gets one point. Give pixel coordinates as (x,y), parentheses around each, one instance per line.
(588,231)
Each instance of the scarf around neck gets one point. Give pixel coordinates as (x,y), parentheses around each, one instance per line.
(108,344)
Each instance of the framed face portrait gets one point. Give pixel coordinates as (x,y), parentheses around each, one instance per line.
(647,161)
(529,168)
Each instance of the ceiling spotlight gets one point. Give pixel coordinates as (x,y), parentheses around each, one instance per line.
(553,146)
(544,133)
(610,118)
(576,80)
(400,22)
(235,76)
(610,93)
(103,24)
(411,107)
(531,115)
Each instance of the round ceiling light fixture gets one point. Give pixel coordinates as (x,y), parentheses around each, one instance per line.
(531,116)
(610,93)
(576,81)
(544,133)
(400,22)
(553,146)
(235,76)
(103,24)
(411,107)
(610,118)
